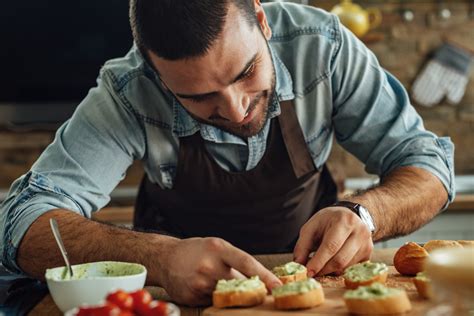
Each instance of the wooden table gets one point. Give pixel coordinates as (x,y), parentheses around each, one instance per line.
(47,306)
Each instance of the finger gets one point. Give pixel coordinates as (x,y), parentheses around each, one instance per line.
(363,254)
(346,255)
(236,274)
(304,245)
(218,271)
(365,251)
(332,242)
(249,266)
(361,242)
(202,286)
(228,273)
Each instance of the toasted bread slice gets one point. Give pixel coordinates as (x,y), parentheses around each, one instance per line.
(298,295)
(237,293)
(376,299)
(365,273)
(423,285)
(290,272)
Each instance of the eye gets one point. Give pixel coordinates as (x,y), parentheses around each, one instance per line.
(198,99)
(248,73)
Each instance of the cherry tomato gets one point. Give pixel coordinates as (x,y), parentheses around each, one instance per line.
(156,308)
(106,310)
(83,311)
(122,299)
(141,300)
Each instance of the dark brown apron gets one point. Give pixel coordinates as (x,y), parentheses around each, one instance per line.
(259,210)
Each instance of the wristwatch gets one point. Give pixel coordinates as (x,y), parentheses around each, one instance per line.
(360,211)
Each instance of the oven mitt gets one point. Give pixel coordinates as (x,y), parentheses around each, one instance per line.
(18,295)
(445,75)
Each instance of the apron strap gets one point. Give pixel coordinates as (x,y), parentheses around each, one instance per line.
(300,157)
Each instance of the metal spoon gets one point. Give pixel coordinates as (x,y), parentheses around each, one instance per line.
(59,241)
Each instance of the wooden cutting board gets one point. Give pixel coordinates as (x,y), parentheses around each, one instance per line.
(333,304)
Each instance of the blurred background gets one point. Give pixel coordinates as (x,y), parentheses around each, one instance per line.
(51,53)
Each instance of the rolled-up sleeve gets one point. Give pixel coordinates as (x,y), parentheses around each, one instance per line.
(87,159)
(375,121)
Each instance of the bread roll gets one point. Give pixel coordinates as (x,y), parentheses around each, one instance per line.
(466,243)
(432,245)
(410,259)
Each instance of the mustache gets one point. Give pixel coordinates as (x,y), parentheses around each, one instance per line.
(252,106)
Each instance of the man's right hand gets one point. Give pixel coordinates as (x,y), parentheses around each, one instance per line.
(192,267)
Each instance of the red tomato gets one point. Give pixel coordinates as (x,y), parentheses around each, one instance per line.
(156,308)
(121,298)
(106,310)
(141,300)
(83,311)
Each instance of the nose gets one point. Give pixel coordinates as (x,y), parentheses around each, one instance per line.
(234,105)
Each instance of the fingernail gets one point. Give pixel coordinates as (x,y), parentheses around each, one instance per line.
(311,273)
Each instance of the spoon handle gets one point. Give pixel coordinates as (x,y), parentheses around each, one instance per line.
(59,241)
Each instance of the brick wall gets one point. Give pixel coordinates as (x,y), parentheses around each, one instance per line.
(402,48)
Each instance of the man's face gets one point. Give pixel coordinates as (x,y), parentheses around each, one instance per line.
(230,86)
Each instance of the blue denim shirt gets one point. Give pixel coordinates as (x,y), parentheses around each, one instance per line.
(339,90)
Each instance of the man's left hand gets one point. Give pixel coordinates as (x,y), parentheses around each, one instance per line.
(340,239)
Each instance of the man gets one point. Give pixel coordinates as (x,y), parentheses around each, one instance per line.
(231,106)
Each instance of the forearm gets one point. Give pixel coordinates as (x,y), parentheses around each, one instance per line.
(88,241)
(406,199)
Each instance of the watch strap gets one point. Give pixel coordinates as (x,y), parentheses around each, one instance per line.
(351,205)
(356,208)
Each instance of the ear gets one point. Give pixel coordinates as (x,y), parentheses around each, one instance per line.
(262,20)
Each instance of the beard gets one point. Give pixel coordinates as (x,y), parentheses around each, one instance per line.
(260,104)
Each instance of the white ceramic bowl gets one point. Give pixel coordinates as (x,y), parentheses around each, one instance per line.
(92,282)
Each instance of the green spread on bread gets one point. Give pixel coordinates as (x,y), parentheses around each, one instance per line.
(373,291)
(290,268)
(422,277)
(364,271)
(298,287)
(239,285)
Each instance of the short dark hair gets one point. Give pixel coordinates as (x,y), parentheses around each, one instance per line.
(177,29)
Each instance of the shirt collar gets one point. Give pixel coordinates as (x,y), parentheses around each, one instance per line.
(185,125)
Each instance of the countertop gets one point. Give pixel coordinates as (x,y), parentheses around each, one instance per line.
(47,306)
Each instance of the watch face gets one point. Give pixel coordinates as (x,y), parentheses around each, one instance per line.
(365,216)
